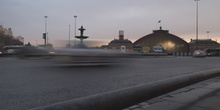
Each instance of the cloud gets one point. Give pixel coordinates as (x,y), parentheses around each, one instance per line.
(104,18)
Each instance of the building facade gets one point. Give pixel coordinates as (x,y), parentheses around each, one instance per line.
(2,30)
(8,32)
(6,37)
(20,38)
(202,44)
(117,43)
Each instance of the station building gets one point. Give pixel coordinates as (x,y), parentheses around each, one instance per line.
(163,38)
(202,44)
(116,44)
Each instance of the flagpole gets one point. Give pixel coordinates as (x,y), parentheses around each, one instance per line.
(159,23)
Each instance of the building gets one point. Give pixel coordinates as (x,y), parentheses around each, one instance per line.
(117,43)
(6,37)
(8,32)
(202,44)
(2,30)
(20,38)
(163,38)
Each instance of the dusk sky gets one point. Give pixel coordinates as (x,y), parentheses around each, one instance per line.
(103,19)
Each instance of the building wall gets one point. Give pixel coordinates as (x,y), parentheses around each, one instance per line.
(194,47)
(6,37)
(202,44)
(8,32)
(117,43)
(2,30)
(20,38)
(129,47)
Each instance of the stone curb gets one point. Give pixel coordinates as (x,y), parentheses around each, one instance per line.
(123,98)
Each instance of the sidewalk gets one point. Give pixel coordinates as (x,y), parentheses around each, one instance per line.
(204,95)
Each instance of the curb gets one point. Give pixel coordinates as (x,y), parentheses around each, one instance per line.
(123,98)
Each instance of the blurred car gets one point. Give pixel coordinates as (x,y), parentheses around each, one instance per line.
(210,54)
(1,53)
(168,52)
(33,51)
(85,56)
(199,53)
(11,50)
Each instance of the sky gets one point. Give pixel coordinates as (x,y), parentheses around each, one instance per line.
(103,19)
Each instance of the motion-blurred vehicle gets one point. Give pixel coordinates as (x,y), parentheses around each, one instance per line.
(1,53)
(85,56)
(77,56)
(25,51)
(168,52)
(199,53)
(213,52)
(11,50)
(33,51)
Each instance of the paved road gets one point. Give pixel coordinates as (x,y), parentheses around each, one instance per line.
(26,84)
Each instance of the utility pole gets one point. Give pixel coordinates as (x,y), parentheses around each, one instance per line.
(45,34)
(197,19)
(69,35)
(75,30)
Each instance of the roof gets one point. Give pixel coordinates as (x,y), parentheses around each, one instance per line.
(209,41)
(164,33)
(120,42)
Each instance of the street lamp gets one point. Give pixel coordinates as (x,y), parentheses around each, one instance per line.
(75,30)
(45,34)
(69,37)
(197,20)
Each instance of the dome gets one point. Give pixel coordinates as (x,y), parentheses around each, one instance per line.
(165,39)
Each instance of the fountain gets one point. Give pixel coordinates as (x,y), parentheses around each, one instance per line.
(81,37)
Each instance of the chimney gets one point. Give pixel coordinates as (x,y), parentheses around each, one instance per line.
(121,35)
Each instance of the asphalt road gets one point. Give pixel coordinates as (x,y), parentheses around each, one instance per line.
(26,84)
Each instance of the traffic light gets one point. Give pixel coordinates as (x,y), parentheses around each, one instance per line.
(44,35)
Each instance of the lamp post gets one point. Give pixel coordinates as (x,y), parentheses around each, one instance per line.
(75,30)
(197,19)
(45,34)
(69,37)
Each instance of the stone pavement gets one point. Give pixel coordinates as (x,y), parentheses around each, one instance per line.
(204,95)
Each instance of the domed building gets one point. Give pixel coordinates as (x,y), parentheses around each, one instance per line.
(163,38)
